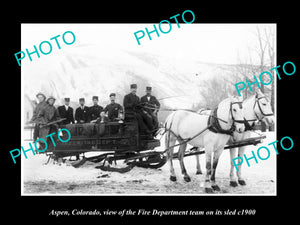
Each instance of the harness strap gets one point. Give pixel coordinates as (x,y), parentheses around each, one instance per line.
(260,109)
(214,125)
(178,137)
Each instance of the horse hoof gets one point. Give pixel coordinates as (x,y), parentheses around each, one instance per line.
(209,190)
(187,179)
(199,172)
(173,178)
(215,187)
(233,184)
(242,182)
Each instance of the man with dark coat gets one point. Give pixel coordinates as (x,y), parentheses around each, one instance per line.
(82,112)
(131,101)
(113,110)
(95,110)
(132,106)
(150,101)
(66,111)
(42,103)
(48,114)
(151,105)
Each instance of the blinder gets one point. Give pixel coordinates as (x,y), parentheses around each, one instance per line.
(241,107)
(257,101)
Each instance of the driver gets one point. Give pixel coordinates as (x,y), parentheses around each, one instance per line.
(133,107)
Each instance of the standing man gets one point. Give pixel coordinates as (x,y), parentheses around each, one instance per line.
(95,110)
(132,105)
(48,114)
(82,112)
(42,103)
(114,110)
(66,111)
(151,104)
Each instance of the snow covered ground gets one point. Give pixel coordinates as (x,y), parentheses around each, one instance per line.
(52,179)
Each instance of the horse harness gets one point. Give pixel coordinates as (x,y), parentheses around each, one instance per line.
(247,124)
(214,125)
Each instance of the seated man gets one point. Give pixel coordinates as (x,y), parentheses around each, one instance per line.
(114,110)
(95,110)
(66,111)
(151,105)
(82,112)
(132,107)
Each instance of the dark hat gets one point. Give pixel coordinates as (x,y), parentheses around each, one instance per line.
(51,97)
(148,88)
(133,86)
(112,94)
(81,99)
(40,93)
(67,99)
(95,97)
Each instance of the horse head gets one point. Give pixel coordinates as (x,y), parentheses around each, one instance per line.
(231,110)
(262,108)
(237,113)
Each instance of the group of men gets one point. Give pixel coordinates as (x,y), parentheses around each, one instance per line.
(85,114)
(144,110)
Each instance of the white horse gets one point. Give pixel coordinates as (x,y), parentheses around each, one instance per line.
(255,108)
(191,128)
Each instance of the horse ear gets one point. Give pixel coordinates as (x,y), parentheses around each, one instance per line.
(258,92)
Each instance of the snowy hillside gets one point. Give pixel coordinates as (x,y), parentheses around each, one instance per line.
(87,70)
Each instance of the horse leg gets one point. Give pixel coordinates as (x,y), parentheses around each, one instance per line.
(198,171)
(181,152)
(239,172)
(214,167)
(233,180)
(170,140)
(208,152)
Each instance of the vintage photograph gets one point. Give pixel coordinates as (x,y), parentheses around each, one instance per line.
(105,114)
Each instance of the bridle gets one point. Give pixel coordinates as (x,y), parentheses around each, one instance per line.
(232,128)
(241,107)
(247,124)
(260,109)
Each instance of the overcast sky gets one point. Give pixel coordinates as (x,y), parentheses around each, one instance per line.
(214,43)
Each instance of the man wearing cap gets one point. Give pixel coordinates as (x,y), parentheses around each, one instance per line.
(82,112)
(66,111)
(132,106)
(95,110)
(151,105)
(113,110)
(131,100)
(47,114)
(42,103)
